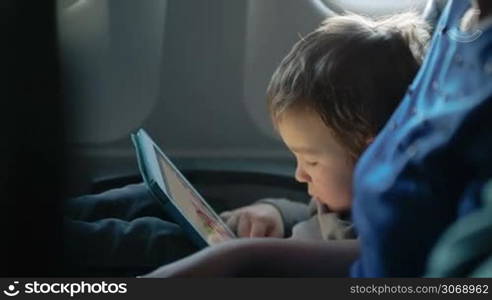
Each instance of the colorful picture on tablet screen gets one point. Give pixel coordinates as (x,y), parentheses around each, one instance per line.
(192,206)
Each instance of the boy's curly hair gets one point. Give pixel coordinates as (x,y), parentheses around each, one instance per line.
(352,71)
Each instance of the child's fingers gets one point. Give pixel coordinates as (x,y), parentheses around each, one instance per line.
(275,231)
(232,221)
(244,226)
(258,229)
(225,215)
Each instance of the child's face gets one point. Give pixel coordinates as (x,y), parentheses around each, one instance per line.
(322,162)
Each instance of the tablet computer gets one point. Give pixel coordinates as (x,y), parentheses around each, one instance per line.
(180,199)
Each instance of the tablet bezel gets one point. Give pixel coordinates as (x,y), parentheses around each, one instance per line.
(153,175)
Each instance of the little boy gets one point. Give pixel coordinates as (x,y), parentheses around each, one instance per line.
(328,98)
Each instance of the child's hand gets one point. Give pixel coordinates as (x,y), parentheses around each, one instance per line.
(257,220)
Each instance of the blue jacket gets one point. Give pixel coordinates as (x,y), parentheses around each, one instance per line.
(427,166)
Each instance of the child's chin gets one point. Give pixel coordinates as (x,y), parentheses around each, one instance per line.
(331,207)
(324,202)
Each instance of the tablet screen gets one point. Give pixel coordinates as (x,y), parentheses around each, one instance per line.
(191,204)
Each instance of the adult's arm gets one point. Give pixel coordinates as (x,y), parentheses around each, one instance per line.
(267,257)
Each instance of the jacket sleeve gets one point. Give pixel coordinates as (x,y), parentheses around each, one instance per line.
(292,212)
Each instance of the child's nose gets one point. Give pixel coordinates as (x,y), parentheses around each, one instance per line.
(301,175)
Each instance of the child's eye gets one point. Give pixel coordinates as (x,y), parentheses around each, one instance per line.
(311,163)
